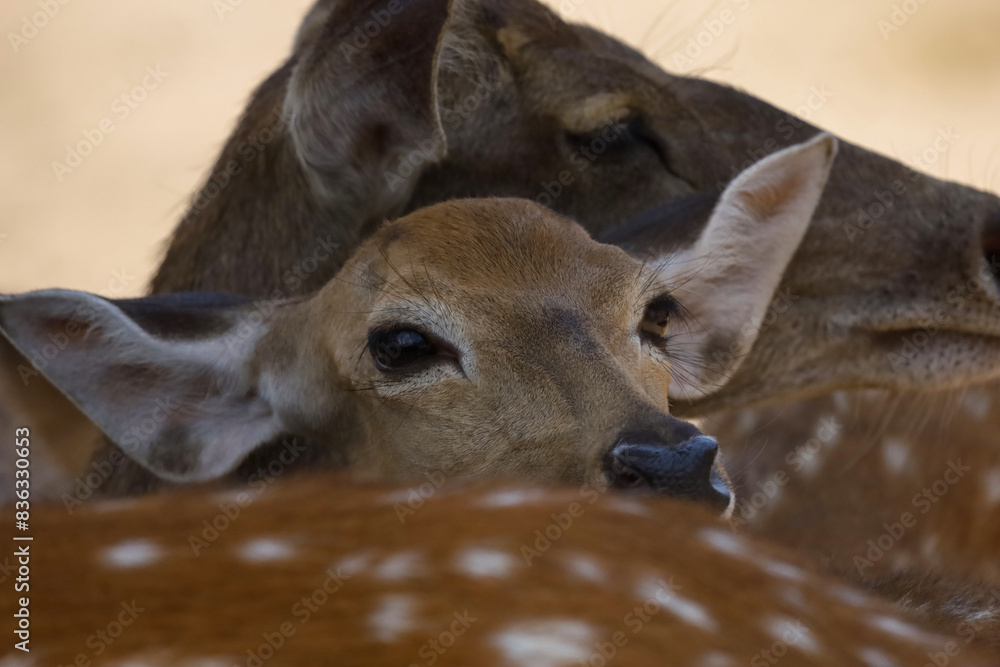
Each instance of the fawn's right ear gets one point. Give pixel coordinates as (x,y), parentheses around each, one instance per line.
(171,379)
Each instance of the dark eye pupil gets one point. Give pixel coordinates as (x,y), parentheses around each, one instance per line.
(392,350)
(657,316)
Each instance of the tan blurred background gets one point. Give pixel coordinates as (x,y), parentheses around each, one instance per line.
(101,226)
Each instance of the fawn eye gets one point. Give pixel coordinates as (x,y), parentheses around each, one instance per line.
(656,319)
(400,349)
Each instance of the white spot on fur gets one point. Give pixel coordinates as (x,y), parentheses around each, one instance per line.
(849,596)
(747,421)
(792,632)
(629,506)
(352,564)
(781,570)
(265,550)
(929,547)
(724,542)
(716,659)
(400,566)
(842,401)
(587,568)
(899,628)
(991,487)
(793,596)
(511,498)
(895,455)
(976,403)
(690,612)
(479,563)
(132,553)
(545,643)
(813,464)
(901,560)
(393,618)
(872,657)
(651,588)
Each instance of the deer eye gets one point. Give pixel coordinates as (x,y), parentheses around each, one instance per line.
(395,350)
(656,319)
(617,139)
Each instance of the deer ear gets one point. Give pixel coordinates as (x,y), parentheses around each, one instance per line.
(361,101)
(728,279)
(170,379)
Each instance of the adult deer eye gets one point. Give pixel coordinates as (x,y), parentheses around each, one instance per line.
(656,319)
(400,349)
(618,139)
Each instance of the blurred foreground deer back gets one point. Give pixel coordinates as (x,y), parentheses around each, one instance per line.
(315,571)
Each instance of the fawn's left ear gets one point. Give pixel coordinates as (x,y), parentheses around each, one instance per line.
(170,379)
(728,278)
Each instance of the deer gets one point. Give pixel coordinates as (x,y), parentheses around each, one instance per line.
(504,98)
(320,570)
(474,338)
(896,491)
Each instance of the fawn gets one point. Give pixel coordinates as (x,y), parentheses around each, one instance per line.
(474,338)
(317,571)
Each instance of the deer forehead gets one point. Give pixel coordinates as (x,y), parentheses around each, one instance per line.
(493,254)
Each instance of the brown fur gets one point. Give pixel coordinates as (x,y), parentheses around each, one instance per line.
(342,554)
(889,449)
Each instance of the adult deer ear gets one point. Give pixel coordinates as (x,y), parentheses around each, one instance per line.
(727,280)
(170,379)
(361,101)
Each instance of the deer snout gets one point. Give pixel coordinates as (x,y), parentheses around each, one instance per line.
(687,470)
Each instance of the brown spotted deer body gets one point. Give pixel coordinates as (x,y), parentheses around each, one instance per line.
(886,488)
(316,571)
(504,98)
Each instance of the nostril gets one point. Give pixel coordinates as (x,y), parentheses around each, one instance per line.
(684,471)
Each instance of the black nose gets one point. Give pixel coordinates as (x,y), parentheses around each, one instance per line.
(679,471)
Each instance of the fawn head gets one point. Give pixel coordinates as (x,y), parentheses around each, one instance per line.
(474,338)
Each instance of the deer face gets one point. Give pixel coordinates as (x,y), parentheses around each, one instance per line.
(475,338)
(495,338)
(895,282)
